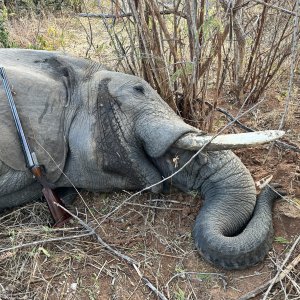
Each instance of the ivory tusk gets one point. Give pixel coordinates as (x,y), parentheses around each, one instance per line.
(193,141)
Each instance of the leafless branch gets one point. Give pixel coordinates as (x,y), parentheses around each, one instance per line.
(280,144)
(293,63)
(63,238)
(127,15)
(275,7)
(118,254)
(282,273)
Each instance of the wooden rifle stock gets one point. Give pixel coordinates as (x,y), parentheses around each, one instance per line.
(59,215)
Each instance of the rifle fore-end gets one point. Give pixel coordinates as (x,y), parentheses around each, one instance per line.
(59,215)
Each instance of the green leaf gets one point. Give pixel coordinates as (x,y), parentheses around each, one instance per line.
(281,240)
(179,294)
(42,249)
(203,276)
(178,269)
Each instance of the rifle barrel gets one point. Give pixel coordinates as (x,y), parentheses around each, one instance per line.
(26,149)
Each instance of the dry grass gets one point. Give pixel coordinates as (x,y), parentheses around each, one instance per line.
(153,231)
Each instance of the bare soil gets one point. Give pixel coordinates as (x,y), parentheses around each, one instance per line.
(155,230)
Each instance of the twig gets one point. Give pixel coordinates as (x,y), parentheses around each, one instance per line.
(280,144)
(126,15)
(221,275)
(292,67)
(194,273)
(89,37)
(275,7)
(154,289)
(278,277)
(46,241)
(99,239)
(156,207)
(289,278)
(118,254)
(104,16)
(183,274)
(149,284)
(69,180)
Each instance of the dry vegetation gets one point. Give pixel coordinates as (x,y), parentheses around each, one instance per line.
(203,57)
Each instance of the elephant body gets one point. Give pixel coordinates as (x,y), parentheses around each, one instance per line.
(106,131)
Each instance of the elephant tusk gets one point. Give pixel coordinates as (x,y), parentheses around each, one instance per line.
(193,141)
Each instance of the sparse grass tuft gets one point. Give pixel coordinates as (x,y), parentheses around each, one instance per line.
(4,35)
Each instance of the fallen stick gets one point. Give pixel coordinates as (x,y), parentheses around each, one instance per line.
(117,253)
(279,144)
(149,284)
(71,237)
(278,277)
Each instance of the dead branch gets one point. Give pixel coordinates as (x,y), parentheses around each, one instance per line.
(279,276)
(154,289)
(279,144)
(240,50)
(118,254)
(186,274)
(264,286)
(155,12)
(292,67)
(127,15)
(275,7)
(149,284)
(63,238)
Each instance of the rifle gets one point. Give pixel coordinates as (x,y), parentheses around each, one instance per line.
(59,215)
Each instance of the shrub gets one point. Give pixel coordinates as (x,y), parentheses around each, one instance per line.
(4,37)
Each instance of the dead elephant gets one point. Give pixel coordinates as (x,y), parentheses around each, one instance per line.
(110,131)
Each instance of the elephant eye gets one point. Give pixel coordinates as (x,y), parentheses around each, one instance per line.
(140,89)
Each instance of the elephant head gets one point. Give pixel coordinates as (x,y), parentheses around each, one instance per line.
(112,131)
(139,138)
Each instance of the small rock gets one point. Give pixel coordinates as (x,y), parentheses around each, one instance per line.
(73,286)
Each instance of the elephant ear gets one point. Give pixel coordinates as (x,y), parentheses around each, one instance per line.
(162,131)
(42,86)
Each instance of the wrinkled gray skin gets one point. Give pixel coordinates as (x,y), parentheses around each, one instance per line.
(109,131)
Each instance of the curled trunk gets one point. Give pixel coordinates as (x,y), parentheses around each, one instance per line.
(233,230)
(235,248)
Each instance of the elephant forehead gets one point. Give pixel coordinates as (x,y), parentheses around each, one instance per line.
(118,81)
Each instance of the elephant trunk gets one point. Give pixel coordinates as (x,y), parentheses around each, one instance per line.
(233,230)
